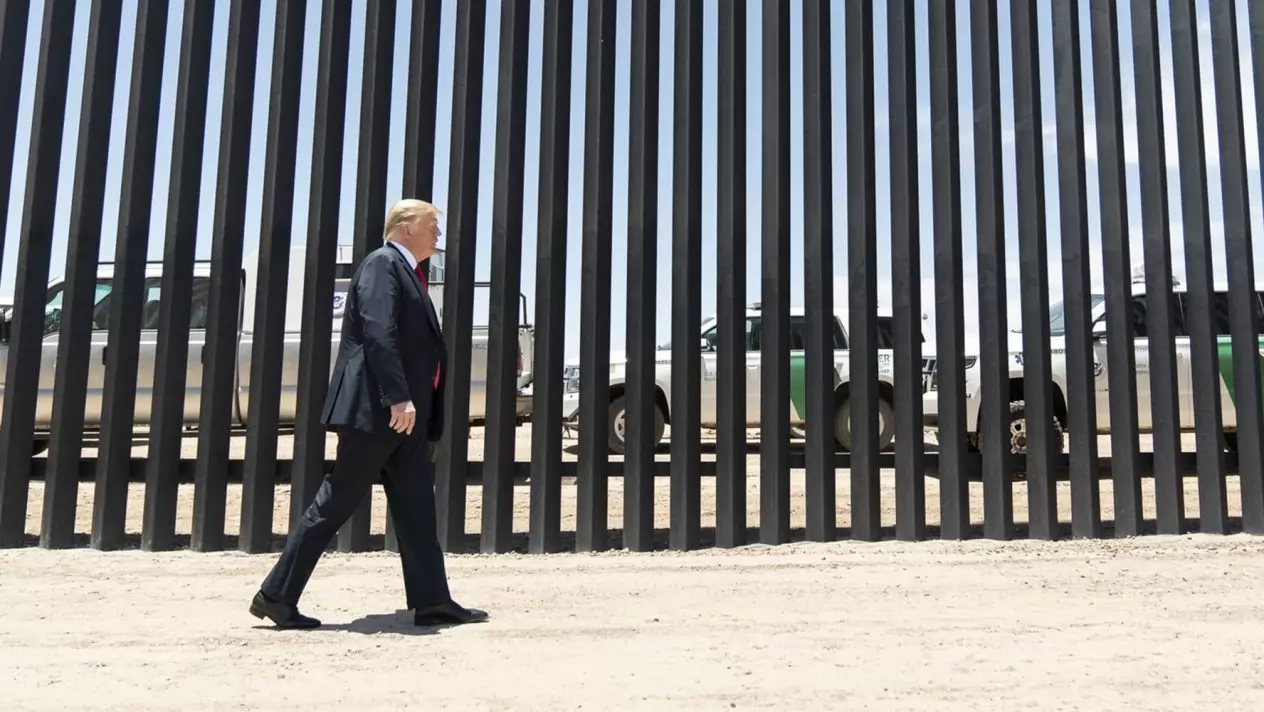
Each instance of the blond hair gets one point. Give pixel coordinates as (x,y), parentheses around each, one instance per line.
(406,211)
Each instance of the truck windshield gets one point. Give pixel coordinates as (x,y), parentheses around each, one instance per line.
(666,345)
(1057,315)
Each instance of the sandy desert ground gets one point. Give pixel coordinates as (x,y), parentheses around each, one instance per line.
(1156,622)
(1162,623)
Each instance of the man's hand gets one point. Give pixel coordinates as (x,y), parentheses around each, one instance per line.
(403,417)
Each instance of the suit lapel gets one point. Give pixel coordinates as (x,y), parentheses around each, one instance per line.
(431,315)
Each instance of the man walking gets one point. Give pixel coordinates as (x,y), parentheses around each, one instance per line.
(386,404)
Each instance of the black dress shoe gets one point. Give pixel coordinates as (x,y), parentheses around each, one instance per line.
(449,613)
(282,614)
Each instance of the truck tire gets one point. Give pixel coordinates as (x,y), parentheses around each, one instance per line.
(1231,441)
(886,419)
(615,424)
(1018,435)
(39,446)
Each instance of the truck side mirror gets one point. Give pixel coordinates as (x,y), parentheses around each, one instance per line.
(706,346)
(6,327)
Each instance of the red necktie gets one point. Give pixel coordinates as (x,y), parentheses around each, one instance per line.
(425,288)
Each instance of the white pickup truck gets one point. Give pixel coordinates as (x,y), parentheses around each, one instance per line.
(245,338)
(1138,308)
(798,381)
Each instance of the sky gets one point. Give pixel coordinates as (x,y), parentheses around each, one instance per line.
(709,157)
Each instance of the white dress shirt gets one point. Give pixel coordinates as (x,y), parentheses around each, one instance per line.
(412,261)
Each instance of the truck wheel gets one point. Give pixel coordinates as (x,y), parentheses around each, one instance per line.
(617,425)
(1017,444)
(1231,441)
(886,425)
(39,446)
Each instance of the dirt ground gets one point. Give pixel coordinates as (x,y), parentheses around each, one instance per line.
(1157,622)
(1162,623)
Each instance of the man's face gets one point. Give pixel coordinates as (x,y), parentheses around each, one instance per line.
(425,234)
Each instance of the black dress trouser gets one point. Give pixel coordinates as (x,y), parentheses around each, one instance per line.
(408,476)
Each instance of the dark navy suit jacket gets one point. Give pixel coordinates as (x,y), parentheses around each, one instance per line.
(391,346)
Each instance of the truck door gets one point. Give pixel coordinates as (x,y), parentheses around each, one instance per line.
(1184,363)
(1140,322)
(1101,373)
(754,372)
(1224,353)
(1141,345)
(197,342)
(48,356)
(96,358)
(798,370)
(96,365)
(710,375)
(710,378)
(147,353)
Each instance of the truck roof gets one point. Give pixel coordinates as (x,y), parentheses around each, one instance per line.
(202,268)
(296,268)
(840,310)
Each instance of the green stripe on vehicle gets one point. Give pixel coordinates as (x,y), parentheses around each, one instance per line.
(1224,348)
(799,384)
